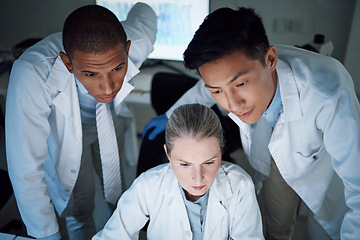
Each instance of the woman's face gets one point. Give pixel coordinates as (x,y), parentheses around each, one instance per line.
(195,164)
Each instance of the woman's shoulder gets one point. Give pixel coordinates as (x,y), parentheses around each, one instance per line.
(155,185)
(159,175)
(234,174)
(232,168)
(157,171)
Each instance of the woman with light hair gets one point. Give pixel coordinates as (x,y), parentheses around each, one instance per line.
(196,195)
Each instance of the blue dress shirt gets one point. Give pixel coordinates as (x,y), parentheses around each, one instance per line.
(197,214)
(273,112)
(87,104)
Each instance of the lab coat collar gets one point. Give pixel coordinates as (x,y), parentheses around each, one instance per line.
(59,75)
(62,85)
(178,203)
(289,93)
(243,126)
(126,88)
(177,200)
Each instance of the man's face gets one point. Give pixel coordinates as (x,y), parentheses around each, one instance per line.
(101,74)
(240,85)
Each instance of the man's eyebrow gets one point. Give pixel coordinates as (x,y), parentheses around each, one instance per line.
(86,71)
(231,80)
(119,65)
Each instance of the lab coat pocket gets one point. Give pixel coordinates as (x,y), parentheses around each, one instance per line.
(306,160)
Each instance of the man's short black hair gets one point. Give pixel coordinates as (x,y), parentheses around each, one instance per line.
(225,31)
(92,29)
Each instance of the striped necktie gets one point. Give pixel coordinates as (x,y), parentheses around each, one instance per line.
(109,153)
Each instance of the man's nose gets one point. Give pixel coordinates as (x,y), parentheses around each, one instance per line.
(234,101)
(107,85)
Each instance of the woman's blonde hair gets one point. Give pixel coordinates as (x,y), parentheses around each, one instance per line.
(195,120)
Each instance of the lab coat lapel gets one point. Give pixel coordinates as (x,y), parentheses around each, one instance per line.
(219,191)
(66,101)
(260,134)
(177,205)
(244,133)
(127,87)
(290,98)
(181,213)
(289,93)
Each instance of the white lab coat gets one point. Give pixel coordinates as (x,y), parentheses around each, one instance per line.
(232,210)
(43,123)
(316,140)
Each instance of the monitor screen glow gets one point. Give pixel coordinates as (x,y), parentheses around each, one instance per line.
(177,23)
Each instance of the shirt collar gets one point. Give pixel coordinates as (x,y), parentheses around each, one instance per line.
(273,112)
(81,87)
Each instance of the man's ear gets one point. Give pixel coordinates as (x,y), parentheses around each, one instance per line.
(66,60)
(128,43)
(127,47)
(271,57)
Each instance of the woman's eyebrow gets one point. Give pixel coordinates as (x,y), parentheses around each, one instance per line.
(212,158)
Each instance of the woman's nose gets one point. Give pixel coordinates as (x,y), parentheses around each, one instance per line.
(198,175)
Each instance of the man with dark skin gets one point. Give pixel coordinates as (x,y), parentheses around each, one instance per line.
(51,134)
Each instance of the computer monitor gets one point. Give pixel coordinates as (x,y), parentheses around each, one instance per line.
(177,23)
